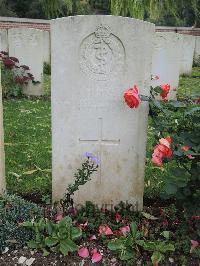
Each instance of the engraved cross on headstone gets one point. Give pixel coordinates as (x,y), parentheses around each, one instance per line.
(101,142)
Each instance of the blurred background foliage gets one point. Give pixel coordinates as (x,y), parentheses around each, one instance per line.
(160,12)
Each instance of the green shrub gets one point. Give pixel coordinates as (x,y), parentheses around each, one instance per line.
(58,237)
(14,76)
(9,85)
(14,211)
(47,68)
(196,62)
(180,120)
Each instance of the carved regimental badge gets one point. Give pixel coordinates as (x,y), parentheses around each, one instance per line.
(102,54)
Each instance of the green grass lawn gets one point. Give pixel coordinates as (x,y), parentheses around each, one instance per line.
(27,126)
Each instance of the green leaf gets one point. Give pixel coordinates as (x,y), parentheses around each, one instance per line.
(67,245)
(170,188)
(147,245)
(164,247)
(133,228)
(194,109)
(49,225)
(156,257)
(127,254)
(45,252)
(75,233)
(166,234)
(177,104)
(50,241)
(32,244)
(117,244)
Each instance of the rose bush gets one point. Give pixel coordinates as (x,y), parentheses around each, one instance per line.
(177,133)
(14,75)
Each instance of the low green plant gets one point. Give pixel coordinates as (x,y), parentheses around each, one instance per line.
(133,244)
(127,247)
(56,237)
(9,85)
(13,211)
(14,76)
(158,249)
(47,68)
(82,176)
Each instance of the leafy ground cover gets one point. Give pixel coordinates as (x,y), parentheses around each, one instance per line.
(119,237)
(27,124)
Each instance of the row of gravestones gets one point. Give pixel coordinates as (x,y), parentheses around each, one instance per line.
(32,48)
(94,59)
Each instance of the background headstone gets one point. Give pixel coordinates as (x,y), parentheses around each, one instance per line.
(27,45)
(47,47)
(2,156)
(94,60)
(166,61)
(187,54)
(3,40)
(197,51)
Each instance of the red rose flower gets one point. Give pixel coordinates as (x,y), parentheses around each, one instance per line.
(131,97)
(165,90)
(25,67)
(8,63)
(14,59)
(161,151)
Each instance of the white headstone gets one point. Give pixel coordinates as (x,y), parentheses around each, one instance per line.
(2,156)
(187,54)
(47,47)
(197,51)
(3,40)
(27,45)
(94,60)
(166,61)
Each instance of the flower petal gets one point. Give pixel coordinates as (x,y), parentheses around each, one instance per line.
(83,252)
(105,230)
(96,257)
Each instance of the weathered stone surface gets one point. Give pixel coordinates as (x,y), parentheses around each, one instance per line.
(197,51)
(47,47)
(187,54)
(94,60)
(166,61)
(28,46)
(2,155)
(3,40)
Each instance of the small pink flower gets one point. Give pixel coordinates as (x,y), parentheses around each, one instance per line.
(83,252)
(118,217)
(155,77)
(194,244)
(93,237)
(185,148)
(58,217)
(83,226)
(125,230)
(96,256)
(105,230)
(190,156)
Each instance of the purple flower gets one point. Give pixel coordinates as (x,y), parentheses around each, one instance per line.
(90,156)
